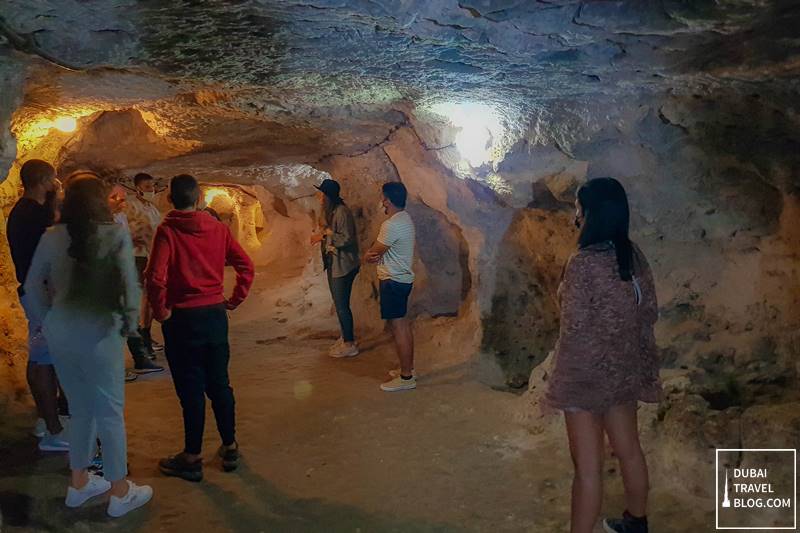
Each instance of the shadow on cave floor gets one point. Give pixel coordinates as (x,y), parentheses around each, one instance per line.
(325,450)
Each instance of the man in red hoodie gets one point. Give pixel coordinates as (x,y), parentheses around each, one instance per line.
(184,283)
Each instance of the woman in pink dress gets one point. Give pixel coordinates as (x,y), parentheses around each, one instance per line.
(606,359)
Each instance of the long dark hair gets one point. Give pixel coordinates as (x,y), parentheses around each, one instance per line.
(328,207)
(606,218)
(85,206)
(96,284)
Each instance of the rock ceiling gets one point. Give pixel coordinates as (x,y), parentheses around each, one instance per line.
(506,51)
(227,73)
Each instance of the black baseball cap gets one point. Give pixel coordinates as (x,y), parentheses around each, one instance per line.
(330,188)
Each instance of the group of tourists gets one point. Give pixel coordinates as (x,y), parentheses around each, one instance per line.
(82,265)
(392,252)
(82,256)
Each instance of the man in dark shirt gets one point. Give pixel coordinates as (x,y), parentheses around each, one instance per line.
(27,222)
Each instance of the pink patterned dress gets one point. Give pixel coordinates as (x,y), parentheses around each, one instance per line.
(606,352)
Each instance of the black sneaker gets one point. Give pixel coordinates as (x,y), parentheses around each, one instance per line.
(130,376)
(146,366)
(178,466)
(150,345)
(230,457)
(626,524)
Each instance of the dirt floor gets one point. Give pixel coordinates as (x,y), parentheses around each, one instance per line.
(326,450)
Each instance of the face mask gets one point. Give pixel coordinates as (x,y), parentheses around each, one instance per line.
(149,196)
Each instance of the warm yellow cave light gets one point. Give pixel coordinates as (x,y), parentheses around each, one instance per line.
(65,124)
(213,192)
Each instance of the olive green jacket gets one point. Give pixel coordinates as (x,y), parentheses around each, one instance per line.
(345,240)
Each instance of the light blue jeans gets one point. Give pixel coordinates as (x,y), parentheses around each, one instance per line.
(89,361)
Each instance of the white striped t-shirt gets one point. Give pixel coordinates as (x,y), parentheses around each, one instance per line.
(398,234)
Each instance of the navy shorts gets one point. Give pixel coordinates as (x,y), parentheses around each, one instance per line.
(394,299)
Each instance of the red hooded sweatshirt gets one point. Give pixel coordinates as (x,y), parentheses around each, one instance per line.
(190,252)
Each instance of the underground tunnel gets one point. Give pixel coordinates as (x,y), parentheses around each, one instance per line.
(492,114)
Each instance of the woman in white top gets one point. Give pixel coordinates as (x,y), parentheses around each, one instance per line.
(83,288)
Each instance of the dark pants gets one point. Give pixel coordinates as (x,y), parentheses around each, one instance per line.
(139,346)
(340,291)
(196,346)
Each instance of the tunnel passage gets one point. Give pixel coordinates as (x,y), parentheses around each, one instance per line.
(239,209)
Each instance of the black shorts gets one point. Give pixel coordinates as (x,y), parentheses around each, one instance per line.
(394,299)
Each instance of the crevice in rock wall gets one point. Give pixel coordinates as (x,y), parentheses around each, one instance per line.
(370,147)
(442,250)
(522,326)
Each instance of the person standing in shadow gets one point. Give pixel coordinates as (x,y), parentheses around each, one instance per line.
(393,252)
(143,219)
(82,288)
(184,280)
(606,359)
(339,245)
(27,222)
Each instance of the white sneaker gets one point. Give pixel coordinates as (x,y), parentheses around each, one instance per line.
(95,487)
(39,429)
(136,497)
(345,350)
(54,443)
(398,384)
(395,373)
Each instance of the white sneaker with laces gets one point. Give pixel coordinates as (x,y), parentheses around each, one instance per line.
(54,443)
(136,497)
(399,384)
(347,349)
(95,487)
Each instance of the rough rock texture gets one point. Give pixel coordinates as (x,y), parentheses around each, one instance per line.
(692,105)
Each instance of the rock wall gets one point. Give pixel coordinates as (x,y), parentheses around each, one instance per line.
(713,182)
(13,333)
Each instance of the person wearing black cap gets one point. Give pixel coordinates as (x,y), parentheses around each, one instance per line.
(339,245)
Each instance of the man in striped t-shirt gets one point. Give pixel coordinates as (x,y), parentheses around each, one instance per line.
(393,252)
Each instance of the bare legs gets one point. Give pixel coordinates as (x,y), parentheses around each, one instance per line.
(44,388)
(585,432)
(623,434)
(404,342)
